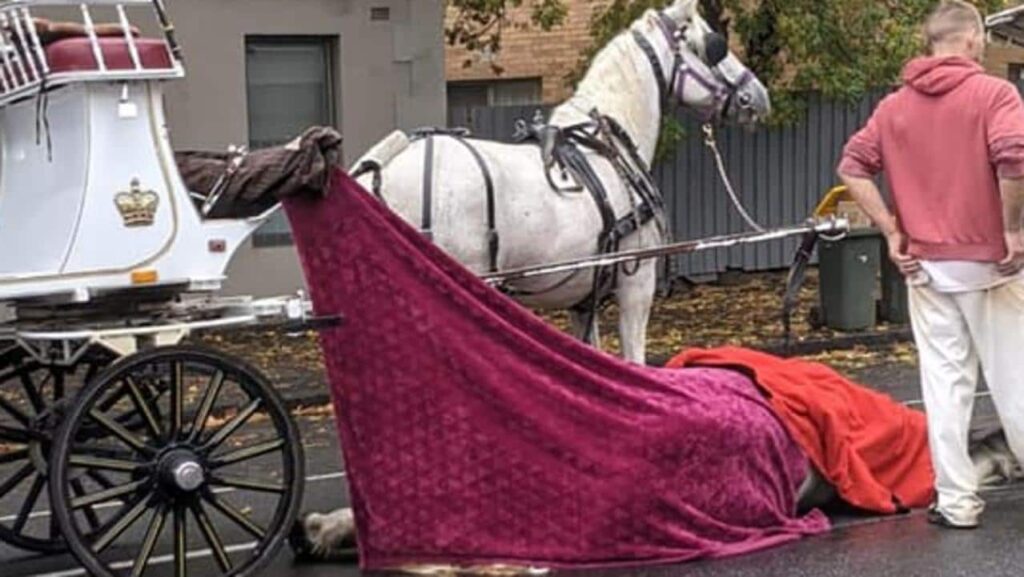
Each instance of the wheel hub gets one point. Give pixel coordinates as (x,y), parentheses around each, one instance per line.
(182,471)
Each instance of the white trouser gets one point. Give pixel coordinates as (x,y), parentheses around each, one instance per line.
(955,333)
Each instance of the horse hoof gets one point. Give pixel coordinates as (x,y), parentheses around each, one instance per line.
(305,551)
(299,541)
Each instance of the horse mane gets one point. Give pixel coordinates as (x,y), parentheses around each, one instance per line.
(616,84)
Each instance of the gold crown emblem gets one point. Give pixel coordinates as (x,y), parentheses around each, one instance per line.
(137,206)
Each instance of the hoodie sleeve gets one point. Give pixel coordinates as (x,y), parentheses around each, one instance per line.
(1005,132)
(862,156)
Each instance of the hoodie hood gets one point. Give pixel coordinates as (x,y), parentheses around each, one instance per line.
(937,75)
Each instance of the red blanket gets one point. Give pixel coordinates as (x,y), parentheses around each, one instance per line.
(873,449)
(474,433)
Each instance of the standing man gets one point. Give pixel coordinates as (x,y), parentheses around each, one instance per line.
(951,144)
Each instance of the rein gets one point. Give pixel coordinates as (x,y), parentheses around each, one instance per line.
(723,92)
(723,89)
(712,143)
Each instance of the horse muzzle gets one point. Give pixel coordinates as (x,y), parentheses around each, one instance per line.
(749,104)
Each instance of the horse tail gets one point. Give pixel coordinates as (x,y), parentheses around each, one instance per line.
(379,157)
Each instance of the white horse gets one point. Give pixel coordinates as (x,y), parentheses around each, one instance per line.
(664,55)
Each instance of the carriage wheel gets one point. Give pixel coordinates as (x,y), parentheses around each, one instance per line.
(32,401)
(210,482)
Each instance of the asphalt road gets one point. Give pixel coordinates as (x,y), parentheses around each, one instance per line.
(905,546)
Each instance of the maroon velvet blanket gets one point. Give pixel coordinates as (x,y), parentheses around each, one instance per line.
(475,433)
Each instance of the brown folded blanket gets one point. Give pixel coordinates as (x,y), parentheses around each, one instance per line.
(263,177)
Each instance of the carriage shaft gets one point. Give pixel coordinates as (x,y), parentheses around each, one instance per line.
(829,227)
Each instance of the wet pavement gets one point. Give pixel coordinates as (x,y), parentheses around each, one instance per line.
(905,546)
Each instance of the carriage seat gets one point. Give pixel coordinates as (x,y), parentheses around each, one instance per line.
(76,55)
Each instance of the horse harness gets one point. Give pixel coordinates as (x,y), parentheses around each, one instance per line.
(429,135)
(722,88)
(562,146)
(567,150)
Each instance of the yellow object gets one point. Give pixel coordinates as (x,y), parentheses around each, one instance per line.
(829,204)
(148,276)
(838,203)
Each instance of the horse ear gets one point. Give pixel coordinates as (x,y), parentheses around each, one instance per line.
(686,8)
(681,10)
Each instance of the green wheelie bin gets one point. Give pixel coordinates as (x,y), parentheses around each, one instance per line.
(849,270)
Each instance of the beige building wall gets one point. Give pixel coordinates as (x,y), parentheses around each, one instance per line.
(533,53)
(388,74)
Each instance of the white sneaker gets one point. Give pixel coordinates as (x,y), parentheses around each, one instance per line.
(943,519)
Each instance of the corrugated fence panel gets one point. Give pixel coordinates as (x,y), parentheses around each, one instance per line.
(779,173)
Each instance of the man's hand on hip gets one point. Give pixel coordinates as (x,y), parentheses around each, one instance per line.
(869,198)
(907,264)
(1014,261)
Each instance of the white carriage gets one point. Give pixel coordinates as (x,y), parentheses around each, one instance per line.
(116,442)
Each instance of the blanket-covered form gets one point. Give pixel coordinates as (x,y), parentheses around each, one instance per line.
(473,433)
(871,448)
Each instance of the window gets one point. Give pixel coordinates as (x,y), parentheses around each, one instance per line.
(289,88)
(518,92)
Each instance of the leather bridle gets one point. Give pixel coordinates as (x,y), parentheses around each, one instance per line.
(721,88)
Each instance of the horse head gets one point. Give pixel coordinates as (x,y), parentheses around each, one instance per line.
(706,76)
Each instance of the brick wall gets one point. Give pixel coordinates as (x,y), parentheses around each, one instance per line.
(999,57)
(533,53)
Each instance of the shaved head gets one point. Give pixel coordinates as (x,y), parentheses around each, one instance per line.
(955,27)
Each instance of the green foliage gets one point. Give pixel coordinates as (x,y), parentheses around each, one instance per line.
(840,48)
(672,133)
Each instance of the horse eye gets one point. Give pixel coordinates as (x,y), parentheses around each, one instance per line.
(745,100)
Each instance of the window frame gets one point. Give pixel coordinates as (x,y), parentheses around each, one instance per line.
(490,85)
(330,45)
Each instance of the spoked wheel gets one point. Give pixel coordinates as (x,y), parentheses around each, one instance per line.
(205,467)
(33,398)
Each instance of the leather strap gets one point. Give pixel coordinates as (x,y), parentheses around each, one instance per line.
(493,241)
(460,136)
(652,57)
(795,280)
(427,221)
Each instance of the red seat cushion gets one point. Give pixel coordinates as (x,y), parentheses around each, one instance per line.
(75,54)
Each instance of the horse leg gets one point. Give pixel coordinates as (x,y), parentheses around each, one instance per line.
(815,492)
(324,537)
(993,460)
(579,320)
(635,295)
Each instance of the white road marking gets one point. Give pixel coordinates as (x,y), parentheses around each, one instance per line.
(220,491)
(196,554)
(159,560)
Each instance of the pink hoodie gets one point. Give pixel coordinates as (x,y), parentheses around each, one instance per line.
(944,140)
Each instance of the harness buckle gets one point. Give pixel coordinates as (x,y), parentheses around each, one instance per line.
(709,134)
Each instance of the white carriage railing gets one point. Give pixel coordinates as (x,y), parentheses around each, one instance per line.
(25,68)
